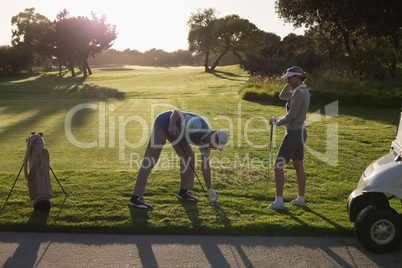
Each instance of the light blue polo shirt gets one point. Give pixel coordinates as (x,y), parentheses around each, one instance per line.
(193,129)
(197,130)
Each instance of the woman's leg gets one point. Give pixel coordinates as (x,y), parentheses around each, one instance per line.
(279,178)
(301,176)
(297,160)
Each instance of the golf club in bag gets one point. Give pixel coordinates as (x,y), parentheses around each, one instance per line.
(214,204)
(36,170)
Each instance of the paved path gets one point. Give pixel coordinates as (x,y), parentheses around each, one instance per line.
(107,250)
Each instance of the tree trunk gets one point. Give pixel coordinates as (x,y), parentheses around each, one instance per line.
(86,67)
(397,46)
(60,68)
(237,55)
(218,59)
(72,69)
(206,62)
(393,67)
(346,41)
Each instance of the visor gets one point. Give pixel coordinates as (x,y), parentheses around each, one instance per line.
(289,74)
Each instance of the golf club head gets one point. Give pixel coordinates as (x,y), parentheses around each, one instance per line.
(216,205)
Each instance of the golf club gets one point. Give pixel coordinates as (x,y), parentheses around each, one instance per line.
(213,204)
(270,149)
(269,160)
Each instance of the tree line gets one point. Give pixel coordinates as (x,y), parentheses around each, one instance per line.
(362,36)
(365,36)
(156,57)
(66,42)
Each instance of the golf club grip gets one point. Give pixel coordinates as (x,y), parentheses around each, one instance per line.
(272,130)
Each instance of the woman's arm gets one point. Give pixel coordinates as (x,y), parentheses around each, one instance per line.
(295,105)
(285,93)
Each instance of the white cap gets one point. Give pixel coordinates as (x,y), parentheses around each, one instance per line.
(222,139)
(288,74)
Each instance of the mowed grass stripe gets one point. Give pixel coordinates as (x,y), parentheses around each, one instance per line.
(99,182)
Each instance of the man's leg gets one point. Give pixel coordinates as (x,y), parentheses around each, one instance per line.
(187,164)
(152,153)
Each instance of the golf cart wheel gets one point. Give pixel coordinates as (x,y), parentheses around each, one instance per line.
(378,229)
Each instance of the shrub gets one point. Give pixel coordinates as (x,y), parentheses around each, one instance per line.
(329,86)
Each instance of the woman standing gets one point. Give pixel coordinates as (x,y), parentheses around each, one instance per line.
(298,99)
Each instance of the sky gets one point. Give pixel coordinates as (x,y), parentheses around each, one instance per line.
(145,24)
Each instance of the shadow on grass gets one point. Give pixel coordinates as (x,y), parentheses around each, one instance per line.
(139,218)
(27,96)
(337,226)
(192,212)
(338,229)
(385,115)
(222,217)
(39,218)
(226,75)
(61,208)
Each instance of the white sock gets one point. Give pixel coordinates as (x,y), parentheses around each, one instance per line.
(279,199)
(300,198)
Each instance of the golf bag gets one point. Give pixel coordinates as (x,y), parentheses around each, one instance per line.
(36,169)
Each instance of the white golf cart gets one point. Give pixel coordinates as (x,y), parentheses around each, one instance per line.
(378,227)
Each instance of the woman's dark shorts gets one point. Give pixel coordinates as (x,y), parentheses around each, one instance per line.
(292,146)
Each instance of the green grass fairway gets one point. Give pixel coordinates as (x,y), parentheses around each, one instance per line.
(97,129)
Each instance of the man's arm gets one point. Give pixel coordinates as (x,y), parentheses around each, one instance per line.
(206,171)
(176,115)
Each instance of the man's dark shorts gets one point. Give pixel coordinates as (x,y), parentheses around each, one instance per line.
(292,146)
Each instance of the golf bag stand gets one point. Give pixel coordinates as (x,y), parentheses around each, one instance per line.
(13,185)
(36,170)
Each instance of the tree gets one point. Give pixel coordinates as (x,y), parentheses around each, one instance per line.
(331,14)
(357,21)
(29,35)
(62,41)
(13,59)
(235,34)
(75,39)
(382,19)
(96,36)
(214,37)
(200,36)
(275,55)
(327,41)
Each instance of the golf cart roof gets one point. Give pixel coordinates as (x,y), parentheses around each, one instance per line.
(399,131)
(397,143)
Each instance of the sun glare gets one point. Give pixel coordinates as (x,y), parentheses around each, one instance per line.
(143,25)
